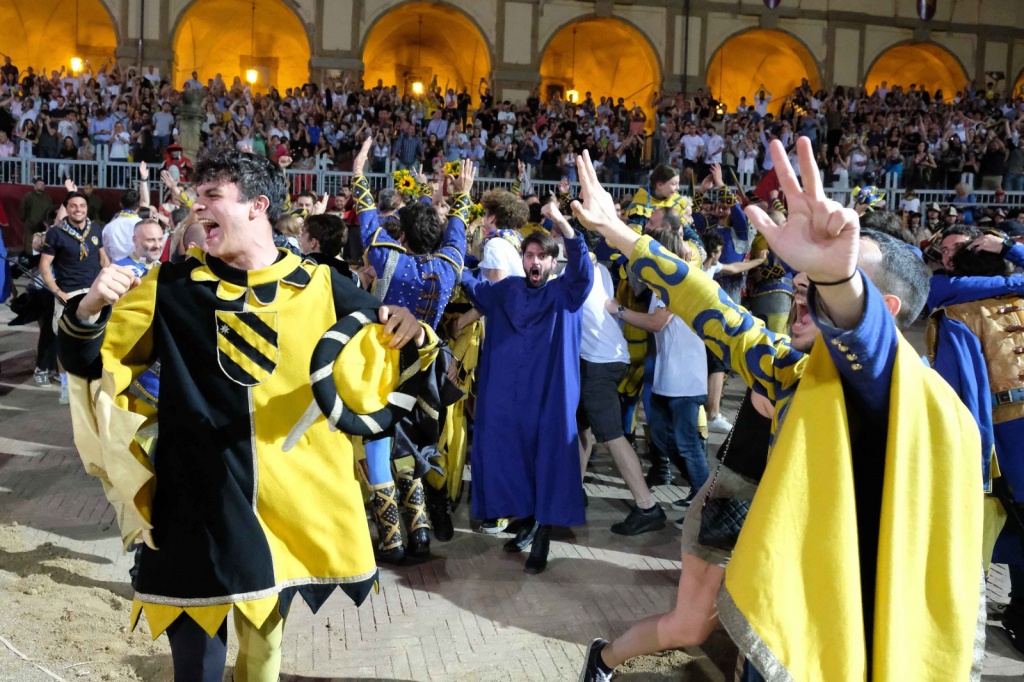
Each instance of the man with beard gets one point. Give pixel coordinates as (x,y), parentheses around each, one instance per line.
(529,466)
(149,246)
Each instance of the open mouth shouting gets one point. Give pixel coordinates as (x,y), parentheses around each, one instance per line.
(212,228)
(535,274)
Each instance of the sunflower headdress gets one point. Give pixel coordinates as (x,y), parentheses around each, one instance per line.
(476,212)
(405,183)
(452,169)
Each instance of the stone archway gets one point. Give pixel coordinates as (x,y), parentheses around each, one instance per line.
(605,56)
(48,33)
(748,60)
(926,65)
(418,42)
(217,36)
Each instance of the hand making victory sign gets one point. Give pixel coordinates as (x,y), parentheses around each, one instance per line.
(820,237)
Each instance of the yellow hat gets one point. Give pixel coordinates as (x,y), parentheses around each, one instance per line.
(362,386)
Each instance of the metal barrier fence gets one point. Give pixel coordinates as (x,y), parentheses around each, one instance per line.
(101,173)
(114,174)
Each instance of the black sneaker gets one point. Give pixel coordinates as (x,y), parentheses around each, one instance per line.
(591,670)
(683,503)
(641,521)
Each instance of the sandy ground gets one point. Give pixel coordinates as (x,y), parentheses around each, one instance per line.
(66,623)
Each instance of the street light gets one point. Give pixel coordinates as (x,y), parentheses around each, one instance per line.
(252,75)
(417,88)
(76,64)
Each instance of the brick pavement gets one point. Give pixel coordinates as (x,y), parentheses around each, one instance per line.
(469,613)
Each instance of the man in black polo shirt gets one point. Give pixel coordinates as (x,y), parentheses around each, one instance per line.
(72,257)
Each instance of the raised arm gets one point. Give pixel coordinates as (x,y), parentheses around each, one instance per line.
(578,278)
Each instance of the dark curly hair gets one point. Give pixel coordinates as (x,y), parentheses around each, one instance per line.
(421,226)
(253,174)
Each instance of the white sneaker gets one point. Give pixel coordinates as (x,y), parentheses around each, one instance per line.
(719,424)
(64,399)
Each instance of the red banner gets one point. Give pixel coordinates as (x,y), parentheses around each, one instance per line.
(926,9)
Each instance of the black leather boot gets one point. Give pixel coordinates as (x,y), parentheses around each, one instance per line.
(538,559)
(523,538)
(414,507)
(389,525)
(440,513)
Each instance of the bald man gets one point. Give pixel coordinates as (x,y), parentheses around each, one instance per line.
(148,239)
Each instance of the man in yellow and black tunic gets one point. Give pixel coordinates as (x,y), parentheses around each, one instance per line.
(237,520)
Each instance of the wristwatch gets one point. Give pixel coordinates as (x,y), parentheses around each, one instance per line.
(618,312)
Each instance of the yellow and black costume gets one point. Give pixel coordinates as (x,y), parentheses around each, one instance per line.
(238,520)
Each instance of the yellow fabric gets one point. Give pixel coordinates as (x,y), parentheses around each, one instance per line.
(761,359)
(259,649)
(795,572)
(453,444)
(995,519)
(312,491)
(367,362)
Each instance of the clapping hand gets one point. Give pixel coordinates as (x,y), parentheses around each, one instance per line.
(563,187)
(284,161)
(143,171)
(70,186)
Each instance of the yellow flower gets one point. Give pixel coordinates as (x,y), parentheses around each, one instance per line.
(476,211)
(399,175)
(406,184)
(452,169)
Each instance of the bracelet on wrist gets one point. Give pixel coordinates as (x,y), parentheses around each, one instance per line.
(835,283)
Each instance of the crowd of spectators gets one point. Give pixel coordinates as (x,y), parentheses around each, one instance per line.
(929,140)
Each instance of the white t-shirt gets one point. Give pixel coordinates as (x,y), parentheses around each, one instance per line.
(117,237)
(499,254)
(602,339)
(713,149)
(911,205)
(691,145)
(681,366)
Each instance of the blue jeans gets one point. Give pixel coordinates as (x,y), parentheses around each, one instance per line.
(674,431)
(1013,183)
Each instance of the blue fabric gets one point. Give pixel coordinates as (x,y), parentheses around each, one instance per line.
(197,657)
(421,283)
(5,273)
(136,266)
(960,361)
(866,366)
(674,431)
(378,461)
(525,455)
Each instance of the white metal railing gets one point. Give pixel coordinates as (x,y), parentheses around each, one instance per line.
(101,173)
(106,174)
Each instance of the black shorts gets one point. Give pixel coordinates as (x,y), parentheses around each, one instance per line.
(599,408)
(714,363)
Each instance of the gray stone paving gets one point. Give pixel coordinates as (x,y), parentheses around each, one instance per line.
(468,614)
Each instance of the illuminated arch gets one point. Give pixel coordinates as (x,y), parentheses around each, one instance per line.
(42,33)
(611,57)
(1018,86)
(747,60)
(924,64)
(419,41)
(214,36)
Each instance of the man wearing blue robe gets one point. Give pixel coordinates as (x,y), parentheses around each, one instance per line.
(525,457)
